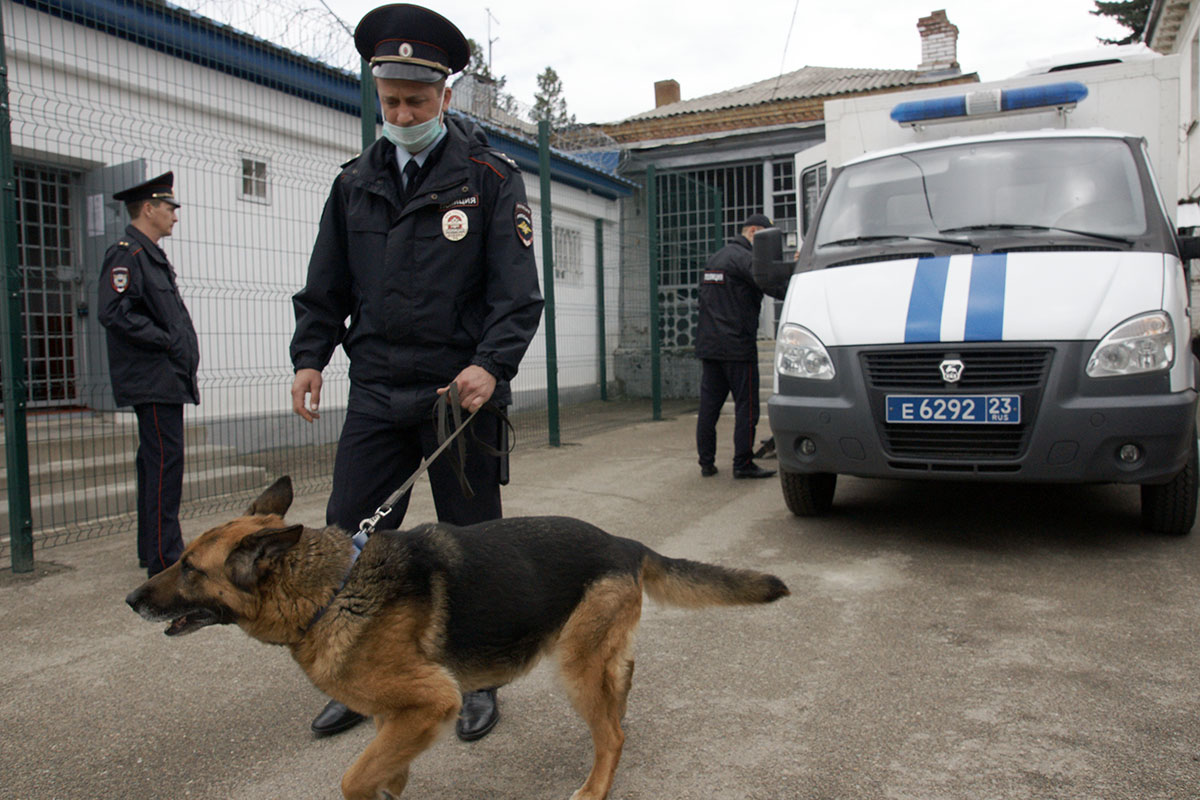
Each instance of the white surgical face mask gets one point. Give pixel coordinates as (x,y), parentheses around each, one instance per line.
(416,138)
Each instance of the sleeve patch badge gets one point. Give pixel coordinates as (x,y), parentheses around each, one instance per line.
(120,279)
(714,276)
(523,219)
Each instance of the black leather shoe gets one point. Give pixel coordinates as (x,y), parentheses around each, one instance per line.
(478,716)
(335,718)
(708,470)
(753,471)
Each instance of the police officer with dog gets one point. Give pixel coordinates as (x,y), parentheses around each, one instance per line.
(425,246)
(153,358)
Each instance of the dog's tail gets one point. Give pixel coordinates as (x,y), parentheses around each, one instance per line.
(693,584)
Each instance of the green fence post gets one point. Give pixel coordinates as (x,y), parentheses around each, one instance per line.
(601,334)
(655,338)
(16,446)
(548,281)
(368,105)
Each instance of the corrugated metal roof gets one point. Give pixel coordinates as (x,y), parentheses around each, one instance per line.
(803,83)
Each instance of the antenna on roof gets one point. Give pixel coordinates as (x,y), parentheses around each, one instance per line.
(490,39)
(786,42)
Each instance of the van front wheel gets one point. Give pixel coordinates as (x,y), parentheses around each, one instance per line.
(1171,507)
(808,494)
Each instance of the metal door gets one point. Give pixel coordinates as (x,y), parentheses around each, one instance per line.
(48,261)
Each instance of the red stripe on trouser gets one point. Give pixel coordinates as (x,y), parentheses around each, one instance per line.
(161,467)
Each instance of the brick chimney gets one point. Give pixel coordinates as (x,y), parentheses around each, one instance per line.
(667,92)
(939,43)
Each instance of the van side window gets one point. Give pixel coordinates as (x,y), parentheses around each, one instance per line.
(812,182)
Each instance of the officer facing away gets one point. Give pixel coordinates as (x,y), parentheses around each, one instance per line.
(727,346)
(153,357)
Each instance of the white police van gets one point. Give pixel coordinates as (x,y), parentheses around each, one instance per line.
(1005,301)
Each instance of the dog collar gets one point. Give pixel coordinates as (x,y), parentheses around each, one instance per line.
(358,542)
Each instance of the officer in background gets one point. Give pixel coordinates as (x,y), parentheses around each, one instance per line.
(153,356)
(425,244)
(727,346)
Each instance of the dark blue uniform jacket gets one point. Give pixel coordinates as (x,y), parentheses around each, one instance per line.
(729,305)
(153,354)
(424,298)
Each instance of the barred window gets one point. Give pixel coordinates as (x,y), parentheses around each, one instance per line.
(568,256)
(254,180)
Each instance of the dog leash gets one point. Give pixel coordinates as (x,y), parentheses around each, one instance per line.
(448,411)
(447,405)
(446,399)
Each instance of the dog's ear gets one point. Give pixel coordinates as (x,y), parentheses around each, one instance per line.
(250,558)
(277,499)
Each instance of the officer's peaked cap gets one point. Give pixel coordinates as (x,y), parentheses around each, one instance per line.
(407,42)
(160,188)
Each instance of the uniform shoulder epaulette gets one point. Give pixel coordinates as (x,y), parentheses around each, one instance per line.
(351,160)
(505,158)
(499,163)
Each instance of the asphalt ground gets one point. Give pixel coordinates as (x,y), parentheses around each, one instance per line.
(941,641)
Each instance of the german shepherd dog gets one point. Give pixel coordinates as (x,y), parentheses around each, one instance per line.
(424,615)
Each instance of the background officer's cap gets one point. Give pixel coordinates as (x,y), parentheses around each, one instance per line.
(411,43)
(757,220)
(160,188)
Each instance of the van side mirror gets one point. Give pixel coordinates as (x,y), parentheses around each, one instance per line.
(1189,248)
(771,272)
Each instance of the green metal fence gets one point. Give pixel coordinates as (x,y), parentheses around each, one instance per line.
(103,93)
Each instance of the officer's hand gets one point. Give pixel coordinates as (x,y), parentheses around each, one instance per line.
(475,387)
(307,382)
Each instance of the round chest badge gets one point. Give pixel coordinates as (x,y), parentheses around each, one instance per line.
(454,224)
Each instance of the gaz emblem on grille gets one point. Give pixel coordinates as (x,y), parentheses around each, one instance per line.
(952,370)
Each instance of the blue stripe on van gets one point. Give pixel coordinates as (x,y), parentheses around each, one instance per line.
(924,322)
(985,299)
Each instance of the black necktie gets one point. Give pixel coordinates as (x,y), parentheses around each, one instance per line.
(410,176)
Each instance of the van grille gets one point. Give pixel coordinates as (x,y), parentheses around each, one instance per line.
(954,442)
(917,370)
(1016,370)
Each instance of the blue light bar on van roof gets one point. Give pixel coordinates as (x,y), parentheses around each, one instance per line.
(989,102)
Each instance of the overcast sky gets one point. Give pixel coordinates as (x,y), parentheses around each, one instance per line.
(609,53)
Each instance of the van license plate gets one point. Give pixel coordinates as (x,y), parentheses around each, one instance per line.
(984,409)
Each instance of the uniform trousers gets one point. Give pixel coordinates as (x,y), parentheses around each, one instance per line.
(375,456)
(719,379)
(159,484)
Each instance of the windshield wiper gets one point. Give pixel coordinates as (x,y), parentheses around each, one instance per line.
(1014,227)
(884,237)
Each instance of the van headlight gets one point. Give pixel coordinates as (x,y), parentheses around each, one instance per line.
(800,354)
(1141,344)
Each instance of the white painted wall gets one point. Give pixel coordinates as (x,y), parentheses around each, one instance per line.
(87,100)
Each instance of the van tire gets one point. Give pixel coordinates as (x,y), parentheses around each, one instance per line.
(808,494)
(1170,507)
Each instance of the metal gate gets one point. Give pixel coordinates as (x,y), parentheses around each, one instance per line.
(689,231)
(48,259)
(698,211)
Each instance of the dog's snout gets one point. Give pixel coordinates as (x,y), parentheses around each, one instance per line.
(134,597)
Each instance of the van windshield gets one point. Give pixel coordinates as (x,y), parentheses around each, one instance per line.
(1088,186)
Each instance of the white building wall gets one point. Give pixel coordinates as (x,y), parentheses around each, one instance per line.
(87,100)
